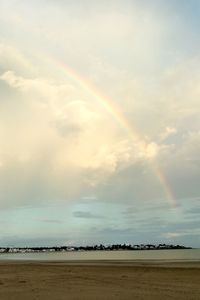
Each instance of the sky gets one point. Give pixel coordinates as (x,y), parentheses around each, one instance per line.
(99,122)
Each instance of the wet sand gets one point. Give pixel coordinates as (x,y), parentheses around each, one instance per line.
(99,280)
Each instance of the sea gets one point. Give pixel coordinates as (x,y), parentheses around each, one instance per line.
(120,255)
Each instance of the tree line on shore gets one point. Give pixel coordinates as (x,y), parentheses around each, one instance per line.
(100,247)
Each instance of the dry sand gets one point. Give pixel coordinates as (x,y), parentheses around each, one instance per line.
(130,280)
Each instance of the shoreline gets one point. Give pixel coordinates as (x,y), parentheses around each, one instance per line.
(107,262)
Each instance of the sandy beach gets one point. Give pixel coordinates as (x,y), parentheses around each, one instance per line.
(99,280)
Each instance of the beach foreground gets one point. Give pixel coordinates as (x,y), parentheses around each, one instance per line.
(93,280)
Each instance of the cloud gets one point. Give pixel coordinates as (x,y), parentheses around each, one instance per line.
(168,132)
(16,81)
(53,221)
(89,198)
(12,58)
(86,215)
(71,129)
(182,233)
(194,211)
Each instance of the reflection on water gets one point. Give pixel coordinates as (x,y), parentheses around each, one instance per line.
(185,254)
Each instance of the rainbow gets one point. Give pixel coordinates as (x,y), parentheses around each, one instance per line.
(117,114)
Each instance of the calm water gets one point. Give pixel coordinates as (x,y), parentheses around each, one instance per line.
(185,255)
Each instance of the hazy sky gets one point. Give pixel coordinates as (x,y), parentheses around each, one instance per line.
(99,122)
